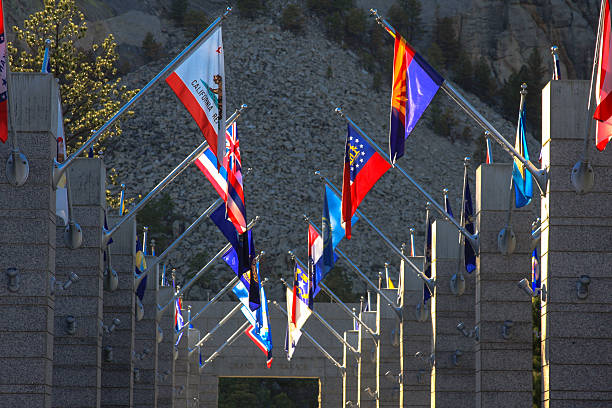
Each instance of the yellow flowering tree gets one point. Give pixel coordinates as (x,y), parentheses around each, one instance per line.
(90,89)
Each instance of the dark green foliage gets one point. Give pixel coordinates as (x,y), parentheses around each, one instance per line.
(292,18)
(442,120)
(268,392)
(484,84)
(339,282)
(355,25)
(510,94)
(435,57)
(152,50)
(466,134)
(158,215)
(195,22)
(445,37)
(178,8)
(250,8)
(464,72)
(324,7)
(405,17)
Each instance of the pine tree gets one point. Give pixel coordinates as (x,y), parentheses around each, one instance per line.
(90,91)
(405,16)
(178,8)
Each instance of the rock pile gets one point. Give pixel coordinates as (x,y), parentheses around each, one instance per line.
(292,85)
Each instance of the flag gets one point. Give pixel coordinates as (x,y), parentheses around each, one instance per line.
(178,318)
(390,284)
(46,64)
(332,222)
(536,283)
(259,330)
(140,263)
(207,163)
(236,209)
(3,84)
(428,252)
(316,268)
(254,283)
(242,244)
(302,297)
(603,84)
(447,206)
(468,220)
(521,178)
(61,192)
(489,159)
(199,82)
(415,83)
(363,166)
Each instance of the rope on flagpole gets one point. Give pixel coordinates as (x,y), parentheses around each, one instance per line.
(540,175)
(60,168)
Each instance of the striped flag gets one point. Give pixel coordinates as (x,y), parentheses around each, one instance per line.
(603,84)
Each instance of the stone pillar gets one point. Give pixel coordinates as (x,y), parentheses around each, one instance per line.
(350,361)
(503,311)
(27,243)
(165,352)
(209,390)
(575,241)
(77,357)
(117,375)
(194,367)
(388,351)
(145,344)
(181,373)
(451,385)
(416,338)
(367,363)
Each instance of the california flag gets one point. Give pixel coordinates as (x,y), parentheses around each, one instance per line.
(199,82)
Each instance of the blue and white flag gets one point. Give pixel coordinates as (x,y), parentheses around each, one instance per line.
(521,178)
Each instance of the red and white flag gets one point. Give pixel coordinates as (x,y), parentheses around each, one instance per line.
(3,83)
(603,85)
(199,82)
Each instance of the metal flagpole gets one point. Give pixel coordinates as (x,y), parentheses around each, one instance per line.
(60,168)
(167,180)
(473,239)
(138,278)
(541,176)
(359,272)
(326,324)
(204,269)
(458,280)
(312,340)
(228,342)
(215,299)
(386,240)
(337,299)
(221,323)
(556,67)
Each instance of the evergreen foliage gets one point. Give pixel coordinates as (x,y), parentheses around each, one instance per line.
(152,50)
(339,282)
(178,9)
(195,22)
(90,91)
(292,18)
(250,8)
(405,17)
(158,215)
(268,392)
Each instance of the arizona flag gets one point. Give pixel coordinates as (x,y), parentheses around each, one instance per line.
(363,166)
(415,83)
(199,82)
(3,83)
(603,85)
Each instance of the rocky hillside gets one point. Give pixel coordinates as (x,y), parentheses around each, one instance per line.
(291,84)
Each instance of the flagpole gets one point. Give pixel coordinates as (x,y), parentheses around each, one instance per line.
(540,175)
(386,240)
(359,272)
(167,180)
(214,300)
(326,324)
(556,66)
(60,168)
(466,164)
(518,136)
(228,342)
(312,340)
(337,299)
(473,239)
(221,323)
(204,269)
(158,259)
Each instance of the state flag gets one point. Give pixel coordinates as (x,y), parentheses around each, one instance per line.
(3,78)
(363,166)
(415,83)
(603,84)
(521,178)
(199,83)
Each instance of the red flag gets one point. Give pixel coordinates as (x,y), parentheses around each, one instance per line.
(603,90)
(3,83)
(363,166)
